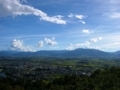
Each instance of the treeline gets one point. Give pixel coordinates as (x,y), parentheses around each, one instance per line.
(101,79)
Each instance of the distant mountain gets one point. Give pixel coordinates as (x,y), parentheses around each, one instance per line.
(50,53)
(87,53)
(7,53)
(63,53)
(117,54)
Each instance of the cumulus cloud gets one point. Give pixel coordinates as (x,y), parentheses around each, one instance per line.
(79,45)
(17,45)
(78,16)
(71,15)
(95,39)
(40,44)
(50,41)
(83,45)
(86,31)
(70,47)
(15,8)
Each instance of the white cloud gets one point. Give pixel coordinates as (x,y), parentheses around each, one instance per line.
(15,8)
(95,47)
(86,44)
(115,15)
(82,45)
(54,47)
(78,16)
(78,45)
(95,39)
(70,47)
(110,47)
(50,41)
(86,31)
(17,45)
(100,38)
(40,44)
(71,15)
(83,22)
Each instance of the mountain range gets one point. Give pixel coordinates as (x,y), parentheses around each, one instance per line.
(63,53)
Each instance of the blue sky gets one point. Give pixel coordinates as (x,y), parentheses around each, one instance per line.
(32,25)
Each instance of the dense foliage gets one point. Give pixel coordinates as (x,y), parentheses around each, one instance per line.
(101,79)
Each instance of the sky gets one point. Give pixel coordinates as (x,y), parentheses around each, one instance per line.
(33,25)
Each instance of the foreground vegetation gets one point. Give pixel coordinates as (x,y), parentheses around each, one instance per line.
(101,79)
(59,73)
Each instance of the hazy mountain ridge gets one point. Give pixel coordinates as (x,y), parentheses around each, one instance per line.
(63,53)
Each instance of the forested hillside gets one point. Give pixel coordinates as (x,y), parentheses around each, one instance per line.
(101,79)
